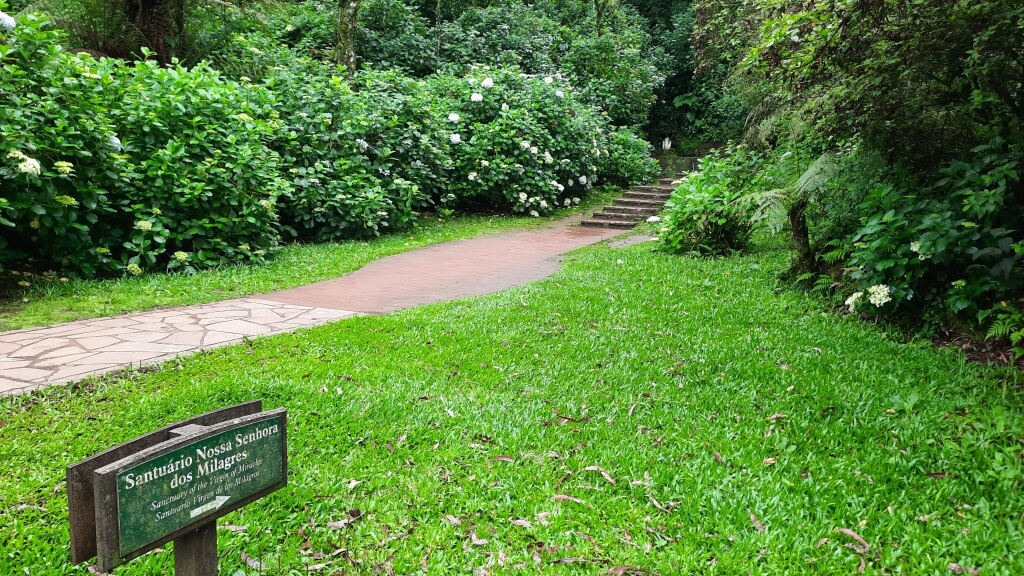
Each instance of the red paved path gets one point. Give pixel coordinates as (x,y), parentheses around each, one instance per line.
(446,271)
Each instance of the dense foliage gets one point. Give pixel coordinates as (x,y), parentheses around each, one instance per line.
(109,167)
(907,120)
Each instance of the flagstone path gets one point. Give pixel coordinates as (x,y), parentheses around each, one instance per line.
(38,357)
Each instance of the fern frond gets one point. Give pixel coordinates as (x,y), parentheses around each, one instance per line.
(771,209)
(816,176)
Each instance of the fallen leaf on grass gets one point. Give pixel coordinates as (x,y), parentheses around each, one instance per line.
(940,475)
(961,569)
(566,497)
(315,567)
(659,506)
(603,472)
(453,520)
(542,518)
(24,507)
(757,523)
(864,547)
(353,483)
(777,416)
(503,458)
(233,528)
(353,515)
(821,542)
(521,522)
(252,562)
(569,560)
(626,570)
(769,461)
(475,540)
(718,457)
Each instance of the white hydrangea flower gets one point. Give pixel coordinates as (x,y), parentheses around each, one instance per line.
(525,144)
(363,144)
(487,83)
(915,247)
(548,79)
(453,117)
(583,179)
(472,81)
(547,158)
(144,225)
(30,166)
(575,200)
(472,176)
(851,302)
(504,107)
(64,167)
(477,97)
(522,196)
(115,144)
(534,150)
(455,138)
(879,295)
(534,213)
(654,219)
(485,163)
(559,93)
(543,204)
(7,21)
(567,202)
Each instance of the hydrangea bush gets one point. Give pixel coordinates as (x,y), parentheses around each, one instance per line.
(117,168)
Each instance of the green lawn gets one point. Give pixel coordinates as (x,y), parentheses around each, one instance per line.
(736,425)
(51,302)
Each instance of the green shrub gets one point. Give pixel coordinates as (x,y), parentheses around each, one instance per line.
(57,167)
(509,35)
(628,160)
(345,182)
(395,35)
(955,249)
(197,144)
(517,143)
(113,168)
(711,211)
(613,73)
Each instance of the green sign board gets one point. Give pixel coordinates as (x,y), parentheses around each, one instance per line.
(163,492)
(169,492)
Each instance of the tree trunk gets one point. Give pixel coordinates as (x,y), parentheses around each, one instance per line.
(161,22)
(805,260)
(345,35)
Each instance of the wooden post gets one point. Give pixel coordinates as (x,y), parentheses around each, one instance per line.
(195,553)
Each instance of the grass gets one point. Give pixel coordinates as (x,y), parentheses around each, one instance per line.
(294,265)
(739,425)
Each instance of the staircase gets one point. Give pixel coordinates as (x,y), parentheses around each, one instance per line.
(633,207)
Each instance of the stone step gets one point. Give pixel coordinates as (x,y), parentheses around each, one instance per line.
(617,217)
(653,189)
(637,195)
(595,223)
(635,210)
(639,203)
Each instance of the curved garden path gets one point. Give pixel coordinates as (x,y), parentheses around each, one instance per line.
(38,357)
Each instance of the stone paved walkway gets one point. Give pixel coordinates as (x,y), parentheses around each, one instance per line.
(37,357)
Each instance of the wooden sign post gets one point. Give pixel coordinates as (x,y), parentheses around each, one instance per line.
(173,484)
